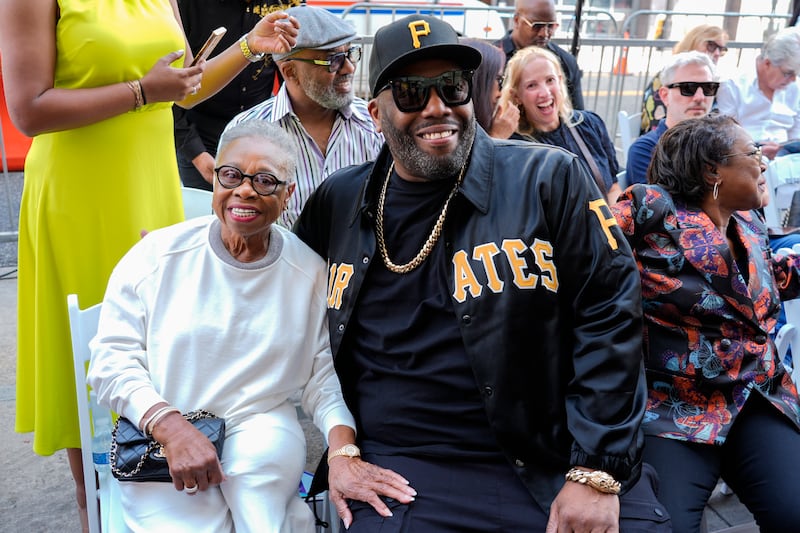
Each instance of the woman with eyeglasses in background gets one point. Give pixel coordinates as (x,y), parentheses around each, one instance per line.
(487,81)
(534,82)
(720,403)
(767,105)
(710,40)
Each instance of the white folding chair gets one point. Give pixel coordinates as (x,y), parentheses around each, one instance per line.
(102,502)
(622,179)
(783,179)
(629,126)
(196,202)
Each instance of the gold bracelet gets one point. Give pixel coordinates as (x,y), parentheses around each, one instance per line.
(136,88)
(597,479)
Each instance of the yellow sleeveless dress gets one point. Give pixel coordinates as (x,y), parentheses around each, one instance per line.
(87,195)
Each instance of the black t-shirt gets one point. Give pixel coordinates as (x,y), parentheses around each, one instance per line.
(415,392)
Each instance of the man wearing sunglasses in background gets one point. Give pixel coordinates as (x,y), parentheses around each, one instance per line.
(535,22)
(689,83)
(316,104)
(484,312)
(767,105)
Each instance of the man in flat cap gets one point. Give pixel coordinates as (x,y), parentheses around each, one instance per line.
(485,318)
(316,104)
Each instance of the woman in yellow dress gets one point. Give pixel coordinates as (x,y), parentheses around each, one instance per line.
(93,82)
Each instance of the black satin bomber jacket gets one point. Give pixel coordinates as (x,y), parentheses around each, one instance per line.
(546,293)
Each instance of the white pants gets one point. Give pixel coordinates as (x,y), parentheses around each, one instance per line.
(263,459)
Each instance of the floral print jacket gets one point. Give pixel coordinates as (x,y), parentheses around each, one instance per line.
(706,323)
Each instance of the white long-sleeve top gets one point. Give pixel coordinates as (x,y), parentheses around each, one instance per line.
(184,322)
(775,120)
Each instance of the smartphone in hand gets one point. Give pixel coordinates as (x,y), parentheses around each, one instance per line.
(210,44)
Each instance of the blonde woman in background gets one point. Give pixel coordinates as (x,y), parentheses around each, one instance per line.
(710,40)
(534,82)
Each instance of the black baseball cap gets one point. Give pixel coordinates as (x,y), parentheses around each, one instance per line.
(414,38)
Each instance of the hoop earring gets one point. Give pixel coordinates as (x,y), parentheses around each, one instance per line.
(715,192)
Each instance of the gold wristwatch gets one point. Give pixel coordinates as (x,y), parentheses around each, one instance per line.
(247,53)
(597,479)
(348,450)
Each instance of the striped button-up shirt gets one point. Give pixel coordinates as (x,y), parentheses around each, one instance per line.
(353,141)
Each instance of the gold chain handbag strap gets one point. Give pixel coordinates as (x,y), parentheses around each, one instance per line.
(152,447)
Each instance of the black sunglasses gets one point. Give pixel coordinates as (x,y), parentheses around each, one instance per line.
(264,183)
(689,88)
(712,47)
(411,93)
(334,62)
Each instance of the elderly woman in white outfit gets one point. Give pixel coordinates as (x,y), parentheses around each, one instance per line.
(227,313)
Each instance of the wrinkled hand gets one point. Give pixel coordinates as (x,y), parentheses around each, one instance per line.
(164,83)
(355,479)
(275,33)
(192,459)
(505,120)
(582,509)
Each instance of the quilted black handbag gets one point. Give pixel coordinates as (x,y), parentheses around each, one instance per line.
(136,457)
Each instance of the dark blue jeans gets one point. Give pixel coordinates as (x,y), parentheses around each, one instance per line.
(759,461)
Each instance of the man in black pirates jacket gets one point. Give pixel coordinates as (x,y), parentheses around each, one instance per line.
(484,311)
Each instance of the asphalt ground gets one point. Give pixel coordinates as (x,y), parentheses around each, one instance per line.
(37,493)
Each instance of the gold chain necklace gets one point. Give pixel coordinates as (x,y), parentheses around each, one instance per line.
(432,238)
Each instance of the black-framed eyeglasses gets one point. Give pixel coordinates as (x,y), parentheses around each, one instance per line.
(411,93)
(755,153)
(539,26)
(689,88)
(713,46)
(264,183)
(334,62)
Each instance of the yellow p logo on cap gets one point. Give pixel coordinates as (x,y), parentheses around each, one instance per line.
(418,28)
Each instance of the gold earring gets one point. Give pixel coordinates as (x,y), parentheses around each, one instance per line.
(715,192)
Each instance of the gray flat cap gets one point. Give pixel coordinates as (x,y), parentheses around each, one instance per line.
(319,30)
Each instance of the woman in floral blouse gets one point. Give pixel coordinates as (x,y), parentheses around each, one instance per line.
(720,403)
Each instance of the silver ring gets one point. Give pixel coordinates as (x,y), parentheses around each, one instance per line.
(190,490)
(195,89)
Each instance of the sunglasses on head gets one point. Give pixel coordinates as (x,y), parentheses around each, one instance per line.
(334,62)
(712,46)
(689,88)
(411,93)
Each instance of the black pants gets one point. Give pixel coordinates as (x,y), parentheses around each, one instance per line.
(190,176)
(759,461)
(466,497)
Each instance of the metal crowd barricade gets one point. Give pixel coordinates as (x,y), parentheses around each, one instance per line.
(607,88)
(7,236)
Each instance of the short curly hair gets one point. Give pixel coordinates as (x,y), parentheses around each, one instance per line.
(688,151)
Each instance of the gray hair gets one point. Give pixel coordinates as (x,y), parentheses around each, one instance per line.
(687,58)
(284,157)
(783,48)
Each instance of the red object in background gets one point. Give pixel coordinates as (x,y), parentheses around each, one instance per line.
(16,144)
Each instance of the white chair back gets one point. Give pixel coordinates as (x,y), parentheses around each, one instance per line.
(783,179)
(196,202)
(629,126)
(102,496)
